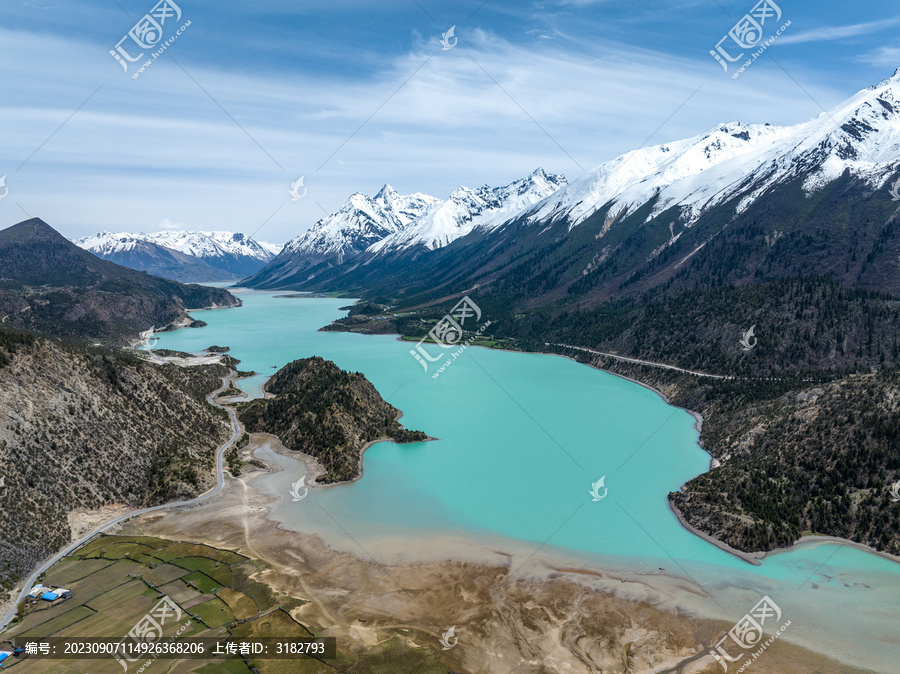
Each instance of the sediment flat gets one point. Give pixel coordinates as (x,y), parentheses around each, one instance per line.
(548,615)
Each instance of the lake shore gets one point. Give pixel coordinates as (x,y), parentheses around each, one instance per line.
(750,558)
(726,581)
(314,469)
(754,558)
(587,623)
(804,541)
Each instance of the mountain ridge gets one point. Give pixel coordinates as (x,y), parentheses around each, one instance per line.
(179,255)
(365,230)
(143,255)
(50,286)
(342,235)
(774,201)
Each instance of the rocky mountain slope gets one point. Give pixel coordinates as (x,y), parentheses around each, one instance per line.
(184,256)
(820,460)
(86,428)
(50,286)
(320,410)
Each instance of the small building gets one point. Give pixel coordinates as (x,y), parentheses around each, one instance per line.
(3,656)
(49,596)
(36,591)
(62,592)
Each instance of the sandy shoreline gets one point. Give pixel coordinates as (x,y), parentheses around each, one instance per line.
(804,541)
(560,616)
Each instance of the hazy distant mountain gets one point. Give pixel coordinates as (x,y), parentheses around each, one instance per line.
(135,253)
(233,252)
(184,256)
(50,286)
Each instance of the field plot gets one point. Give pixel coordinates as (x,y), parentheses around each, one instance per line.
(116,580)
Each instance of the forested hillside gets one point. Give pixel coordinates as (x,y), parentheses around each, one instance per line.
(327,413)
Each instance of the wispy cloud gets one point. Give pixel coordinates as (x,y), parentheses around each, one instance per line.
(829,33)
(156,148)
(884,56)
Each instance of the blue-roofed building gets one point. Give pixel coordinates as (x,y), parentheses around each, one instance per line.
(49,596)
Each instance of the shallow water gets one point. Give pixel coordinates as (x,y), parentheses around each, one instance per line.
(522,438)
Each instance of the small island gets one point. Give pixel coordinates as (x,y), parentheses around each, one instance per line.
(320,410)
(218,349)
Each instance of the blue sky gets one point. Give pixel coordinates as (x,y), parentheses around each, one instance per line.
(354,94)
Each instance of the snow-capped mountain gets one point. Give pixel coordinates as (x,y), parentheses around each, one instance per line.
(359,223)
(736,204)
(467,209)
(734,160)
(391,224)
(136,253)
(236,253)
(182,255)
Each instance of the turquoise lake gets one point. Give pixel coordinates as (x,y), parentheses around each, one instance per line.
(522,438)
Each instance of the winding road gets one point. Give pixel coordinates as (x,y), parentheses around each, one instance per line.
(677,369)
(220,484)
(643,362)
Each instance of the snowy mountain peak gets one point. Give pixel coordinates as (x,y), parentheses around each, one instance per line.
(385,193)
(736,159)
(393,222)
(895,78)
(467,209)
(232,252)
(358,223)
(108,243)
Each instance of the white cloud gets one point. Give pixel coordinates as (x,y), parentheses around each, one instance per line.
(884,56)
(829,33)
